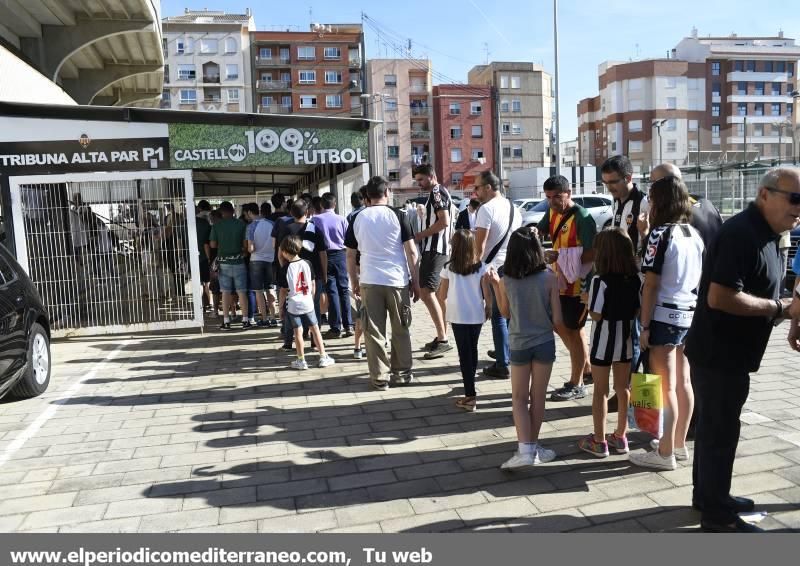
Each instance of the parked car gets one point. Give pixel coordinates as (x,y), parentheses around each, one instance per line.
(599,207)
(24,333)
(526,204)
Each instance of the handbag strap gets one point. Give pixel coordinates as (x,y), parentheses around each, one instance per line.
(499,244)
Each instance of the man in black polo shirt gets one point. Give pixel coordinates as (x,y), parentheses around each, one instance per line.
(737,306)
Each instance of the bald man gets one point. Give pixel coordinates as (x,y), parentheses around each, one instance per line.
(705,216)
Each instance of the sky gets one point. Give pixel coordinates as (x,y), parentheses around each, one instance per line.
(455,34)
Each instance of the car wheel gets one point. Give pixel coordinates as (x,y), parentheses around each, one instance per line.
(36,377)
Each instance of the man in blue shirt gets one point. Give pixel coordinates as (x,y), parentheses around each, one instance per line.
(334,228)
(262,254)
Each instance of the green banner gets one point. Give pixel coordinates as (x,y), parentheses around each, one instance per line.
(210,145)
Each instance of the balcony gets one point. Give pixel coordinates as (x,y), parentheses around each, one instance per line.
(751,119)
(186,76)
(211,79)
(216,99)
(272,85)
(356,111)
(354,63)
(272,61)
(274,109)
(776,98)
(355,86)
(420,134)
(420,111)
(418,88)
(761,77)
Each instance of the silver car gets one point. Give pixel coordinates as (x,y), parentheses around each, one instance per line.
(599,207)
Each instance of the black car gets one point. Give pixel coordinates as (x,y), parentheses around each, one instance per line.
(24,333)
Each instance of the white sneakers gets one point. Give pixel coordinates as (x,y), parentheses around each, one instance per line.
(298,364)
(653,460)
(681,454)
(325,361)
(519,460)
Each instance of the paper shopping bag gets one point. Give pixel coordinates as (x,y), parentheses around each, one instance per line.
(646,404)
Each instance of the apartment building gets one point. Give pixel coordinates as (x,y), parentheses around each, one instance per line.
(207,61)
(568,153)
(714,98)
(401,97)
(526,105)
(464,130)
(319,72)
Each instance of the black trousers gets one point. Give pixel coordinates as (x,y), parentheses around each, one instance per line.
(719,398)
(466,336)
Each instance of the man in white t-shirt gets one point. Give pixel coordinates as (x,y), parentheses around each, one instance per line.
(386,283)
(497,218)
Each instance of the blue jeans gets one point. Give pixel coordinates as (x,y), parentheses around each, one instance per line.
(338,289)
(499,335)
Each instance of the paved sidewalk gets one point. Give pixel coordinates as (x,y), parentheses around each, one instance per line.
(212,433)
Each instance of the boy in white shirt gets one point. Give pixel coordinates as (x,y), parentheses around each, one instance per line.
(297,296)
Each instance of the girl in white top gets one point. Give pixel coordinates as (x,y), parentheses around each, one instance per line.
(463,290)
(672,267)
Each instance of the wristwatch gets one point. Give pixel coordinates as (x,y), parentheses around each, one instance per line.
(779,313)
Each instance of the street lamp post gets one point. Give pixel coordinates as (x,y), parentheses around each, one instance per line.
(657,125)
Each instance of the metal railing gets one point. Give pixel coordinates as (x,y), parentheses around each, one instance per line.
(354,62)
(420,111)
(274,109)
(272,85)
(271,61)
(420,134)
(213,79)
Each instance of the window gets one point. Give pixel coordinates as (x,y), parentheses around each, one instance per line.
(230,45)
(790,68)
(208,45)
(333,101)
(751,66)
(503,81)
(742,109)
(715,109)
(515,82)
(393,150)
(267,101)
(715,65)
(758,130)
(477,131)
(286,101)
(506,128)
(233,95)
(286,77)
(188,96)
(187,72)
(477,154)
(166,97)
(504,106)
(332,53)
(394,175)
(716,89)
(516,129)
(166,73)
(264,53)
(516,106)
(768,66)
(285,55)
(738,66)
(391,103)
(455,155)
(456,178)
(308,102)
(455,108)
(613,146)
(776,109)
(506,151)
(455,133)
(672,82)
(180,47)
(672,103)
(516,151)
(390,80)
(780,66)
(789,109)
(776,130)
(759,88)
(333,77)
(759,109)
(308,77)
(475,108)
(306,53)
(634,146)
(231,72)
(672,125)
(714,130)
(672,146)
(776,89)
(741,87)
(693,84)
(693,125)
(692,145)
(740,130)
(391,127)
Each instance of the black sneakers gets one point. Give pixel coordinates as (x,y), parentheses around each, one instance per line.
(439,349)
(495,372)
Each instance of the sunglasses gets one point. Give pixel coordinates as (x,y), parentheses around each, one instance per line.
(794,198)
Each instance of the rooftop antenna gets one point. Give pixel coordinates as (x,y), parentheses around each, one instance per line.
(310,15)
(408,49)
(486,51)
(637,51)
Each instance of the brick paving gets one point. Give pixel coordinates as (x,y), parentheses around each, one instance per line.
(213,433)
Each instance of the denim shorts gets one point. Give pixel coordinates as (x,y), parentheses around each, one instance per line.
(260,275)
(233,277)
(302,320)
(543,353)
(663,334)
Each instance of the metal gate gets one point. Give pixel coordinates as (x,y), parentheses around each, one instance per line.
(110,252)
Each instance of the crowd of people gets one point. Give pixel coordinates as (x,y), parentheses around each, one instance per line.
(668,287)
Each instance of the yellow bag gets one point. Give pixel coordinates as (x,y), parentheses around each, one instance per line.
(647,406)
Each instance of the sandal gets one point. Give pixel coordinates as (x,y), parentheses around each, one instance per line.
(466,403)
